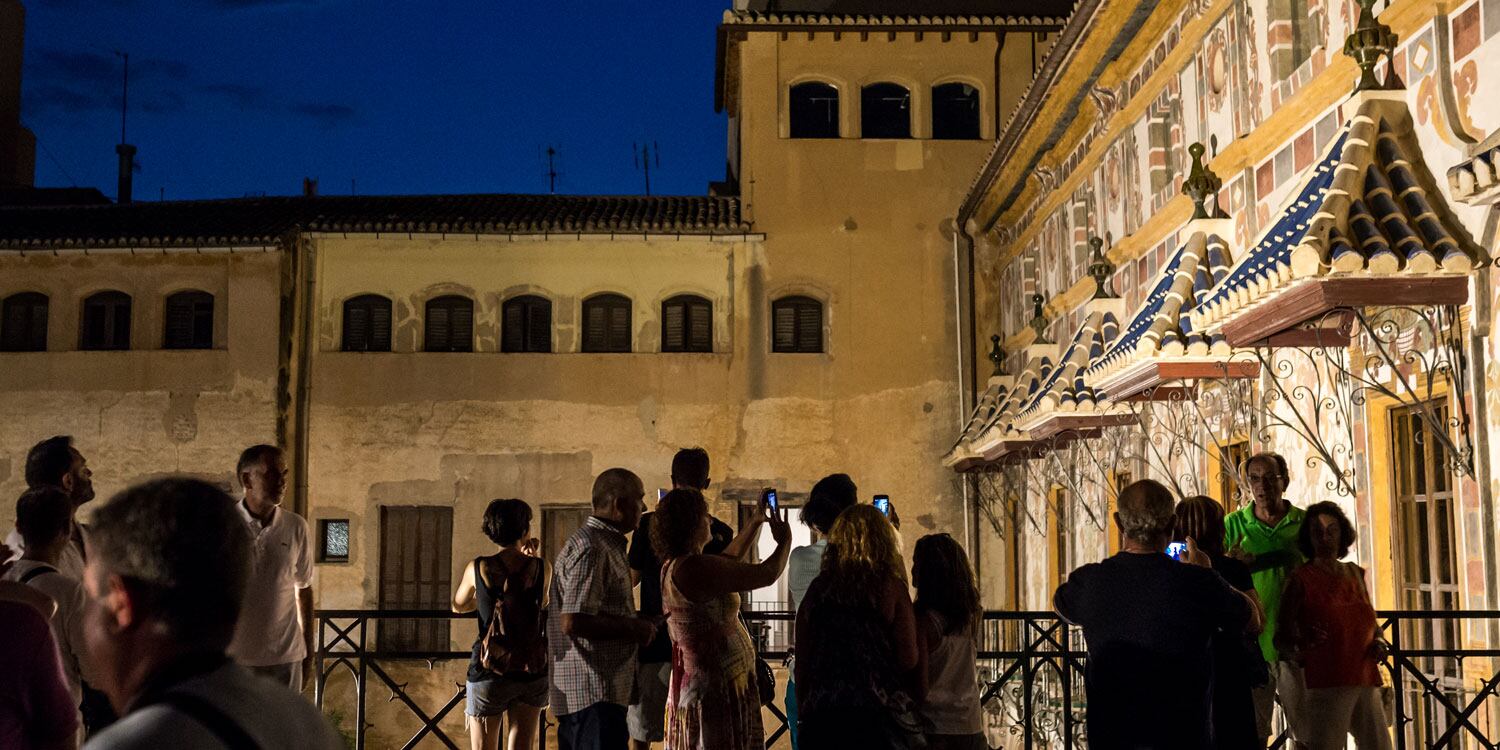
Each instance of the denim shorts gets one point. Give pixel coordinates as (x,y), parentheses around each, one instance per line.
(492,697)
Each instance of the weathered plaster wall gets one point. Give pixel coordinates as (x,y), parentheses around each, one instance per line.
(145,412)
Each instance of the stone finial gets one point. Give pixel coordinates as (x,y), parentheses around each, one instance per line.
(1038,320)
(1370,41)
(1201,184)
(997,354)
(1101,270)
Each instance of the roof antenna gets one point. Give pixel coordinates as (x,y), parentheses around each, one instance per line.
(643,156)
(125,151)
(552,174)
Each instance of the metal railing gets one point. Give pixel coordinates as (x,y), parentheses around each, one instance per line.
(1031,670)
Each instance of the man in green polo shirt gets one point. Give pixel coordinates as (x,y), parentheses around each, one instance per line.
(1264,536)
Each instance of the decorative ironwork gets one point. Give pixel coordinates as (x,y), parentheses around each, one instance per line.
(997,354)
(1101,270)
(1307,392)
(1370,41)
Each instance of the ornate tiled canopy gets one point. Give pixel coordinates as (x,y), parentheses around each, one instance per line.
(1366,227)
(1160,344)
(1063,402)
(963,456)
(1000,437)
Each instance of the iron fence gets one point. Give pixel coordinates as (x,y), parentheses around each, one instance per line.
(1445,694)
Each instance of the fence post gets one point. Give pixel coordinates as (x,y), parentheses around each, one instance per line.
(1065,675)
(1397,685)
(1028,654)
(359,691)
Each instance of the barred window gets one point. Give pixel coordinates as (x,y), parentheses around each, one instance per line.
(797,325)
(189,321)
(526,324)
(606,323)
(813,110)
(450,324)
(106,322)
(367,324)
(885,111)
(687,324)
(23,325)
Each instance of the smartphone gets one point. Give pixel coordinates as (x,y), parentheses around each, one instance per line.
(883,504)
(1177,550)
(770,496)
(660,493)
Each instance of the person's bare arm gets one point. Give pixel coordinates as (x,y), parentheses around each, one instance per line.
(1257,613)
(466,597)
(703,577)
(608,627)
(739,547)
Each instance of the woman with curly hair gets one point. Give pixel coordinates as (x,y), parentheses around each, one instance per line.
(860,664)
(948,613)
(713,701)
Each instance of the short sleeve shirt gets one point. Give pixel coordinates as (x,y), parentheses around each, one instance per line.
(590,576)
(1275,549)
(282,562)
(67,623)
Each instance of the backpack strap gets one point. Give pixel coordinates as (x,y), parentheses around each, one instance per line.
(214,719)
(39,570)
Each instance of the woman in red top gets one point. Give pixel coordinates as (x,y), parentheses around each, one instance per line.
(1327,627)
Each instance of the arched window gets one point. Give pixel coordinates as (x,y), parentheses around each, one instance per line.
(23,325)
(450,324)
(955,112)
(606,323)
(797,325)
(814,110)
(106,322)
(367,324)
(687,324)
(189,321)
(885,111)
(526,324)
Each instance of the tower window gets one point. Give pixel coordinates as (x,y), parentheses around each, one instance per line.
(367,324)
(814,110)
(23,325)
(606,323)
(450,324)
(955,112)
(797,325)
(885,111)
(189,321)
(527,324)
(106,322)
(687,324)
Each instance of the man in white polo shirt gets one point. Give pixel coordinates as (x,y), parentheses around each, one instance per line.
(274,636)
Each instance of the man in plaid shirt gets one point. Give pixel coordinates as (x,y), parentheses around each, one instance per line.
(592,629)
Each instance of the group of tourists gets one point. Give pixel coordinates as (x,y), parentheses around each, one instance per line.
(185,620)
(1259,611)
(873,668)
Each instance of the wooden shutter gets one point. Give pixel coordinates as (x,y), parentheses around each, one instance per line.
(700,329)
(513,326)
(356,327)
(450,325)
(527,325)
(673,326)
(24,325)
(809,327)
(784,328)
(379,337)
(416,559)
(189,321)
(437,328)
(557,525)
(797,325)
(106,321)
(367,324)
(619,328)
(606,323)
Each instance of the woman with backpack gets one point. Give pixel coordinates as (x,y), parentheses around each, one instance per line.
(508,670)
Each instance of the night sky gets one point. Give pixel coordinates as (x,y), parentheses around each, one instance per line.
(242,97)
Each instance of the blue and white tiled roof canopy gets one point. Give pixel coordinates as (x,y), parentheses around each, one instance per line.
(1364,210)
(1064,388)
(1038,369)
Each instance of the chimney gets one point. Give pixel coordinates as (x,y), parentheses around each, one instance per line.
(309,187)
(127,168)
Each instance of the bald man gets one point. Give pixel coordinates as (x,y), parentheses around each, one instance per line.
(1148,621)
(593,632)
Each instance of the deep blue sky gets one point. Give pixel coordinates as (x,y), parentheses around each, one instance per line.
(233,97)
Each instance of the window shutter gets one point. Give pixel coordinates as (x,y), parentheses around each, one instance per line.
(539,326)
(356,327)
(673,326)
(121,328)
(809,327)
(513,323)
(179,322)
(461,332)
(378,339)
(619,328)
(593,328)
(701,327)
(784,328)
(24,326)
(203,323)
(437,328)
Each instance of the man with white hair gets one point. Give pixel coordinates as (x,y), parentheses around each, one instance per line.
(1148,620)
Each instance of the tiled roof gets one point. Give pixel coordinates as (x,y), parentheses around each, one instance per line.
(1052,13)
(1477,179)
(911,7)
(262,221)
(1163,325)
(1064,389)
(1363,211)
